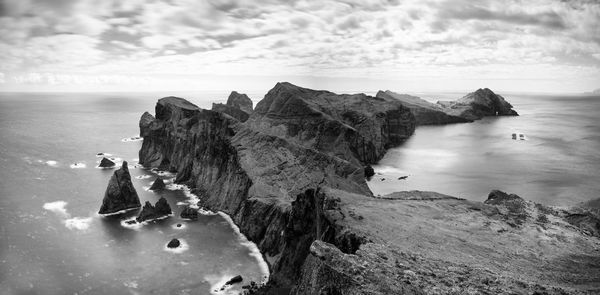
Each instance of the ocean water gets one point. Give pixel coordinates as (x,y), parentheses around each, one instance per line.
(51,239)
(558,163)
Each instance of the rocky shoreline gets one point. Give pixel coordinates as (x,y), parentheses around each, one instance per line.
(292,177)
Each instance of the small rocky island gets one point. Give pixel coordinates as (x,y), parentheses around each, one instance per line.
(120,194)
(160,210)
(473,106)
(292,177)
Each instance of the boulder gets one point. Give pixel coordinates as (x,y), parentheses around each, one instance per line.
(159,210)
(189,213)
(174,243)
(158,184)
(106,163)
(120,193)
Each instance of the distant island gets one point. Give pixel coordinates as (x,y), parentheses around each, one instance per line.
(594,92)
(291,173)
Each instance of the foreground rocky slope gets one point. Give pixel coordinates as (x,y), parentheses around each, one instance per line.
(292,178)
(473,106)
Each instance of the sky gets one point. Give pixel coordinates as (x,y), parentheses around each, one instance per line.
(346,46)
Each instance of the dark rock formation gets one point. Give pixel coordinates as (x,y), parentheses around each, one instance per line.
(106,163)
(159,210)
(292,176)
(174,243)
(120,193)
(426,113)
(158,184)
(369,171)
(238,106)
(189,213)
(234,280)
(479,104)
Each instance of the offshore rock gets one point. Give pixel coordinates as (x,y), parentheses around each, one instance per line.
(476,105)
(238,106)
(354,127)
(369,171)
(158,184)
(174,243)
(426,113)
(189,213)
(120,193)
(149,212)
(106,163)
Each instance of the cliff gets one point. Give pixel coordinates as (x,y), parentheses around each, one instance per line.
(426,113)
(292,178)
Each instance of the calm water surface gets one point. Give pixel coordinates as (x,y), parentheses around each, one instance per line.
(53,242)
(557,164)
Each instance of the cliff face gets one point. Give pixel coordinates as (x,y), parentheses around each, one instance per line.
(305,202)
(426,113)
(357,128)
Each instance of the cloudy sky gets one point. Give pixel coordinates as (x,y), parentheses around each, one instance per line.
(349,45)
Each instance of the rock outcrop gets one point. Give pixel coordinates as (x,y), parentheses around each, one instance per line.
(479,104)
(292,178)
(426,113)
(174,243)
(106,163)
(160,210)
(120,194)
(158,184)
(238,106)
(189,213)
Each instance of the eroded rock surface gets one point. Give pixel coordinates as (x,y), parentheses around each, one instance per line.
(106,163)
(120,193)
(158,184)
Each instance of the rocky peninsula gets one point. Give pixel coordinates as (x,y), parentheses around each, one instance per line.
(292,177)
(473,106)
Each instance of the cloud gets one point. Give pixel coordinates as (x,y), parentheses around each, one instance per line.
(74,41)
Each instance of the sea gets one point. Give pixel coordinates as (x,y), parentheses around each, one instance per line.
(52,241)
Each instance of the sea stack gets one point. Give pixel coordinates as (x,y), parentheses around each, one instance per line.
(106,163)
(149,212)
(157,185)
(238,105)
(120,193)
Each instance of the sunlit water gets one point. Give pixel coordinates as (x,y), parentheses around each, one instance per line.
(51,239)
(557,164)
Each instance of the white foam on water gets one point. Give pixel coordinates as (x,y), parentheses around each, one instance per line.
(119,212)
(143,176)
(389,170)
(79,223)
(57,207)
(52,163)
(254,251)
(131,284)
(135,160)
(146,188)
(182,247)
(181,203)
(131,139)
(78,165)
(138,225)
(101,155)
(165,174)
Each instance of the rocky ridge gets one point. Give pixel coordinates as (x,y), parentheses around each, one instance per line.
(238,106)
(473,106)
(292,178)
